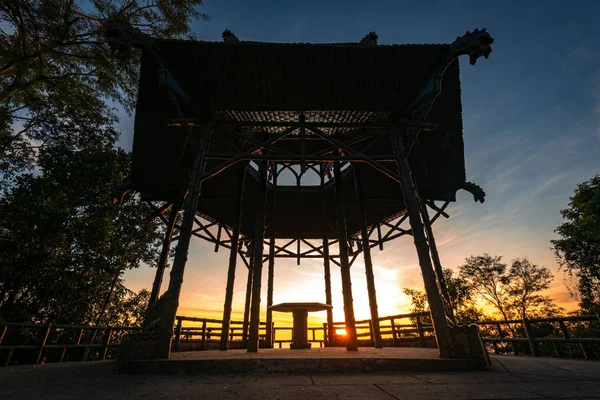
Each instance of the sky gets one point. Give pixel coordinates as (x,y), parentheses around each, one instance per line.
(531,115)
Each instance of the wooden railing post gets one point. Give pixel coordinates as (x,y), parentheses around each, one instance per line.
(44,339)
(529,334)
(420,331)
(178,333)
(106,342)
(394,335)
(204,334)
(9,352)
(77,341)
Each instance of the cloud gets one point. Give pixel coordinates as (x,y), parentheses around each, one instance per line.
(576,58)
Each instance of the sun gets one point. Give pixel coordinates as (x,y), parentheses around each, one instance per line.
(341,332)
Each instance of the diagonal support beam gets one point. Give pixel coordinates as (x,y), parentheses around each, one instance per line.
(384,170)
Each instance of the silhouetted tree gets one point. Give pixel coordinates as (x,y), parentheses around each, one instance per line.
(515,292)
(486,275)
(461,296)
(63,243)
(578,249)
(56,68)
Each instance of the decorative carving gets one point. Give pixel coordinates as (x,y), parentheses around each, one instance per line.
(474,44)
(475,190)
(229,37)
(121,37)
(369,40)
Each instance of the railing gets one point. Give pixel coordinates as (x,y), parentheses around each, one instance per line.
(394,329)
(532,334)
(312,337)
(50,334)
(209,332)
(536,337)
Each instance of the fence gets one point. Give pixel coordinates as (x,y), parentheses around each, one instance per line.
(208,334)
(537,337)
(534,336)
(52,337)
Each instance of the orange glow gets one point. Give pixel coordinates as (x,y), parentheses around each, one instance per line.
(341,332)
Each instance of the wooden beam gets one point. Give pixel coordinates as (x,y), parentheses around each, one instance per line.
(196,121)
(376,332)
(232,263)
(373,163)
(167,319)
(259,234)
(438,315)
(437,264)
(246,322)
(351,340)
(162,262)
(271,272)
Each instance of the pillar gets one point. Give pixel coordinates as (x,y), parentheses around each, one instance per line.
(246,322)
(351,340)
(330,327)
(257,255)
(235,235)
(171,297)
(271,273)
(437,264)
(366,248)
(162,263)
(327,270)
(411,201)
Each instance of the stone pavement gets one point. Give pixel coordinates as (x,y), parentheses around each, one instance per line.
(509,378)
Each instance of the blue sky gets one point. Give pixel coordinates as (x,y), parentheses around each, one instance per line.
(531,117)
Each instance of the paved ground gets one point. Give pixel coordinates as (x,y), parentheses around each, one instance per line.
(509,378)
(324,352)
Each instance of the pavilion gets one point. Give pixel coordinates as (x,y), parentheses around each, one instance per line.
(379,125)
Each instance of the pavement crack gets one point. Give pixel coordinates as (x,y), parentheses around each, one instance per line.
(502,365)
(386,392)
(312,380)
(522,390)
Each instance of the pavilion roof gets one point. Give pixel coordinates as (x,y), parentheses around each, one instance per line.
(274,82)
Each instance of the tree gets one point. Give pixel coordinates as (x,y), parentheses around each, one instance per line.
(461,298)
(63,242)
(56,66)
(515,292)
(578,249)
(486,275)
(525,281)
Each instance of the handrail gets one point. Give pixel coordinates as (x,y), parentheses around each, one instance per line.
(416,330)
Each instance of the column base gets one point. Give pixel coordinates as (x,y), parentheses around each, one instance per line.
(298,346)
(145,346)
(467,343)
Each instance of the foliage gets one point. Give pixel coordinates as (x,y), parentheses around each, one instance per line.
(56,68)
(514,292)
(486,275)
(62,240)
(461,296)
(578,249)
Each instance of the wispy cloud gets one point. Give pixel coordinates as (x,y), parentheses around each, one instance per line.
(576,58)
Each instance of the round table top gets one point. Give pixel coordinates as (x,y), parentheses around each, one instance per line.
(291,307)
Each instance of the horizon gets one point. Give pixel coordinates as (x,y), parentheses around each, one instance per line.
(531,131)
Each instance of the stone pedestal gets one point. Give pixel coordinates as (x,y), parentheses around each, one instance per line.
(468,343)
(145,346)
